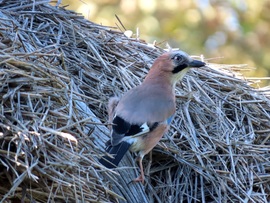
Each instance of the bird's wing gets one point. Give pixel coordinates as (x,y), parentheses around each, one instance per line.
(138,112)
(116,152)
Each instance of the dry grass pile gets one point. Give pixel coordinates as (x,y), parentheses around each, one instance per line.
(57,71)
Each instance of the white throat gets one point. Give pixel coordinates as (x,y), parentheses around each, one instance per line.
(178,76)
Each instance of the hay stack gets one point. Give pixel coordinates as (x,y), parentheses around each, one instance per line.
(57,71)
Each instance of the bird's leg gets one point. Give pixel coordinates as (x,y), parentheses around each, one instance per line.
(141,177)
(147,169)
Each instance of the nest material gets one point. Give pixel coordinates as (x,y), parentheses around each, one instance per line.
(57,72)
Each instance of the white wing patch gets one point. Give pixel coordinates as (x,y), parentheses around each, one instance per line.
(145,129)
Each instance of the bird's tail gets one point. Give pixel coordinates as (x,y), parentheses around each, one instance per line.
(116,154)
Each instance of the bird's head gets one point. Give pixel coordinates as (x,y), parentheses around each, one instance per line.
(181,62)
(173,66)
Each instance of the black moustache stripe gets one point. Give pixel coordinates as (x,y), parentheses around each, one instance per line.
(179,68)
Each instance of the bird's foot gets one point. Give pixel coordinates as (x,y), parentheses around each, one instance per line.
(139,179)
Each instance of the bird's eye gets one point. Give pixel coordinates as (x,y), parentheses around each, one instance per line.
(177,58)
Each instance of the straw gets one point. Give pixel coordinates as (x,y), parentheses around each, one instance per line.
(57,72)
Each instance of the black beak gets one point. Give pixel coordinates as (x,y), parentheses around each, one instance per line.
(196,63)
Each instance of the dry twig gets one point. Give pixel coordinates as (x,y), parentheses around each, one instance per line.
(57,72)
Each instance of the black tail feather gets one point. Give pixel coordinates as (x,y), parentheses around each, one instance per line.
(117,152)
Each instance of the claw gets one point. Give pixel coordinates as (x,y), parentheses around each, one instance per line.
(139,179)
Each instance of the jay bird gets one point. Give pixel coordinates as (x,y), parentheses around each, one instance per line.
(143,115)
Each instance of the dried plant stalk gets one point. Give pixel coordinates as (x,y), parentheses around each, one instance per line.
(57,72)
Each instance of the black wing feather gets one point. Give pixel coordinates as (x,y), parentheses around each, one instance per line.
(118,150)
(121,127)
